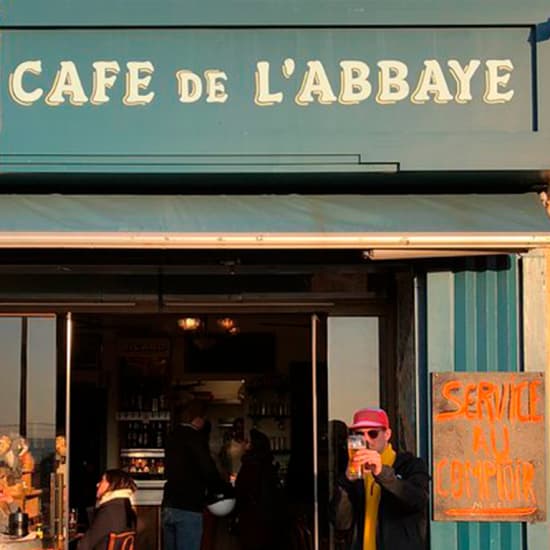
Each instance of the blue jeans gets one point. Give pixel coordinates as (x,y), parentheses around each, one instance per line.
(182,529)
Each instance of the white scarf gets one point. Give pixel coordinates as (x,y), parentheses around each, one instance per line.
(119,493)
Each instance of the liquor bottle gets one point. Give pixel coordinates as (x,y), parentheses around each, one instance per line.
(139,401)
(145,436)
(160,438)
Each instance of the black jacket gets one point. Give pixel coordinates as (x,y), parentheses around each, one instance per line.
(115,516)
(259,509)
(403,509)
(190,470)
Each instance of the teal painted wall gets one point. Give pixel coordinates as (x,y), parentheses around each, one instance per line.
(471,315)
(242,12)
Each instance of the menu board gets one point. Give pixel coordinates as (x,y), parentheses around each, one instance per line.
(488,446)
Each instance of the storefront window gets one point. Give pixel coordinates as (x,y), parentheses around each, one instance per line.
(10,344)
(28,426)
(353,369)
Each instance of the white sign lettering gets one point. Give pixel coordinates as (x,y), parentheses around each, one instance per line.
(385,82)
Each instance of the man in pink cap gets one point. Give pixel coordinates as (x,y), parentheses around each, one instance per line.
(387,507)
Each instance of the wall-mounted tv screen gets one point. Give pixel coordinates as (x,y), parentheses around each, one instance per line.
(226,353)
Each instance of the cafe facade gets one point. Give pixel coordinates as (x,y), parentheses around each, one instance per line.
(293,211)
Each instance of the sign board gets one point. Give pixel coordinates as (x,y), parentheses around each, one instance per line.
(183,99)
(144,347)
(488,446)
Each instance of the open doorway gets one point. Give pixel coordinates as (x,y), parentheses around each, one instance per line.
(287,375)
(129,372)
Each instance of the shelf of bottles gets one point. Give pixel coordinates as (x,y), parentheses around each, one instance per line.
(143,463)
(142,452)
(143,434)
(268,409)
(143,426)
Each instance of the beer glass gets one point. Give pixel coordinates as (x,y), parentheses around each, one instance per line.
(355,442)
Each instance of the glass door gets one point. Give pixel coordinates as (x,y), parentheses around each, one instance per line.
(33,461)
(346,359)
(315,362)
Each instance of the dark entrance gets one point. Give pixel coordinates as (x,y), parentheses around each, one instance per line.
(266,347)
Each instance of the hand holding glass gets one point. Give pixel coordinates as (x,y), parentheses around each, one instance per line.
(355,443)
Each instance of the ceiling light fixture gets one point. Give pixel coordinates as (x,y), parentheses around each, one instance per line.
(189,323)
(226,323)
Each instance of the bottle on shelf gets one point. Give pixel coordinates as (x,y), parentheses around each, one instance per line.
(159,436)
(139,401)
(132,435)
(145,436)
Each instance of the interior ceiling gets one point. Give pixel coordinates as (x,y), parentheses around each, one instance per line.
(167,324)
(180,261)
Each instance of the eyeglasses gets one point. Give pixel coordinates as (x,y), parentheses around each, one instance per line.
(372,434)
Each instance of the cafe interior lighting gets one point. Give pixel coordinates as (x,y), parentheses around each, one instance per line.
(226,323)
(189,323)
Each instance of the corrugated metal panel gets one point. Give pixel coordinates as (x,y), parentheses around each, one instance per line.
(479,299)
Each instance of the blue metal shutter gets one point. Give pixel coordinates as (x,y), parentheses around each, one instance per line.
(469,321)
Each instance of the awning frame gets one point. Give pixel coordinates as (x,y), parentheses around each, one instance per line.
(412,241)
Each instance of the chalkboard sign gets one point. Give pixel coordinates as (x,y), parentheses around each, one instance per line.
(488,446)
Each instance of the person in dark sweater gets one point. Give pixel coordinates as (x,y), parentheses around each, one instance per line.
(113,513)
(259,510)
(190,473)
(387,508)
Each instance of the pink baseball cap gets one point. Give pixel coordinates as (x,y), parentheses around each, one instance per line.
(370,418)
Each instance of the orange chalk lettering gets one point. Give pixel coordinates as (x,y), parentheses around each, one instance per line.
(457,478)
(528,471)
(501,400)
(486,393)
(480,442)
(469,400)
(533,399)
(448,393)
(518,393)
(438,477)
(503,454)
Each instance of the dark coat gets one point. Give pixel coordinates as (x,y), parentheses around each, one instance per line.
(190,470)
(115,516)
(403,509)
(259,508)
